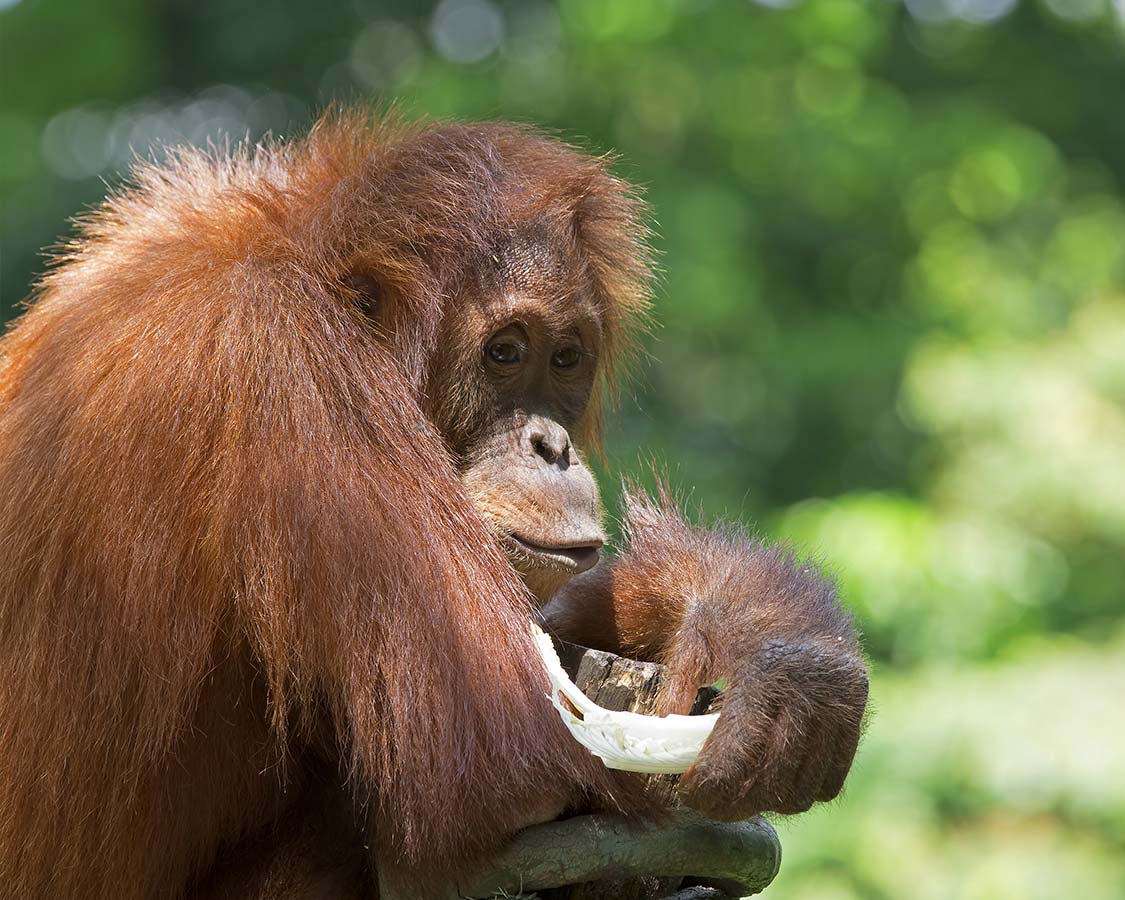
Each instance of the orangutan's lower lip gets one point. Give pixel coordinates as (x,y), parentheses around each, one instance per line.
(577,557)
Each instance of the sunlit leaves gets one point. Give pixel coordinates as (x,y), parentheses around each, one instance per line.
(1001,780)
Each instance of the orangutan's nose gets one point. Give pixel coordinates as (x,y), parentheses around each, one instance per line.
(548,440)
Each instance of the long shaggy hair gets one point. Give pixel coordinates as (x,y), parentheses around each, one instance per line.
(230,529)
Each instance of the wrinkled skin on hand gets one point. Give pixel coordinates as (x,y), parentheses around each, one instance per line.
(788,733)
(715,603)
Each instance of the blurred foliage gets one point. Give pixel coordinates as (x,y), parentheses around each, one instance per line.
(892,330)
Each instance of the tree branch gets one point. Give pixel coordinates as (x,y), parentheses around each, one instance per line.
(590,848)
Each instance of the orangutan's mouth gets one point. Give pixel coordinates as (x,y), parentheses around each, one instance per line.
(576,557)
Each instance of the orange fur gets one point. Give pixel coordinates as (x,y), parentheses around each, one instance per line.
(713,603)
(255,637)
(231,532)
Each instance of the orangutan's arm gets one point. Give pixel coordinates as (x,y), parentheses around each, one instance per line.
(716,604)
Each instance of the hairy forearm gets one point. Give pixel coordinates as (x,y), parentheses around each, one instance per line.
(714,603)
(707,602)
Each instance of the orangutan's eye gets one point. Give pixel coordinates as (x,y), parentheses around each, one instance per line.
(508,347)
(505,353)
(566,358)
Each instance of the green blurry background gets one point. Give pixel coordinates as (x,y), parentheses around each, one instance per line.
(892,331)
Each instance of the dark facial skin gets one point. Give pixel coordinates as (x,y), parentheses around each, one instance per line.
(532,346)
(526,476)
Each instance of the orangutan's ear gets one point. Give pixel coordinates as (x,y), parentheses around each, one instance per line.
(364,290)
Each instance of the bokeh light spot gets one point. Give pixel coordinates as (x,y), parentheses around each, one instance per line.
(635,20)
(74,143)
(1077,10)
(384,54)
(467,31)
(983,11)
(979,12)
(829,83)
(986,185)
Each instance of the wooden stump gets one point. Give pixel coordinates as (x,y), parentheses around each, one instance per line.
(617,683)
